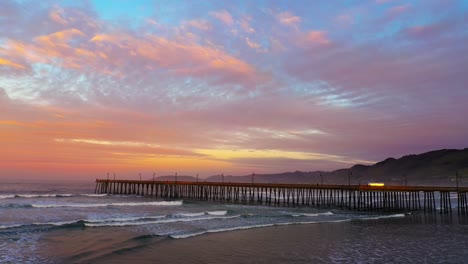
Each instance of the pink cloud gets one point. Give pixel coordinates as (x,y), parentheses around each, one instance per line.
(399,9)
(224,16)
(395,12)
(57,15)
(383,1)
(246,26)
(252,44)
(428,31)
(289,19)
(151,21)
(317,37)
(199,24)
(179,58)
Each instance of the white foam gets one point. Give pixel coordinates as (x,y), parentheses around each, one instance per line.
(312,215)
(28,195)
(83,205)
(126,223)
(35,195)
(180,236)
(9,226)
(124,219)
(190,214)
(94,195)
(382,217)
(56,223)
(217,212)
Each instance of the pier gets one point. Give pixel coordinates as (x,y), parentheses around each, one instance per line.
(351,197)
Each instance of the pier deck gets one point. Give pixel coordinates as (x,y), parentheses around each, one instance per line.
(352,197)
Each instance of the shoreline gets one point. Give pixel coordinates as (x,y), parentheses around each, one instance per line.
(378,240)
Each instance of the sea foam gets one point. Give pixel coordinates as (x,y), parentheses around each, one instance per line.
(85,205)
(170,220)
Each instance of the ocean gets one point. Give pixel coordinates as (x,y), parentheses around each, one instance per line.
(68,223)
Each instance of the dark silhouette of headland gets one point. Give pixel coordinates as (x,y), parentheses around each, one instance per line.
(434,168)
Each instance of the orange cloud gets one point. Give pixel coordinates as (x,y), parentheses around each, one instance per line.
(224,16)
(59,37)
(47,48)
(11,64)
(15,123)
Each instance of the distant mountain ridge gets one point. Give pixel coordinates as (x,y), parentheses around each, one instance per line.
(431,168)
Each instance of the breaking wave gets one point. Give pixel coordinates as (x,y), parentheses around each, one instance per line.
(161,221)
(84,205)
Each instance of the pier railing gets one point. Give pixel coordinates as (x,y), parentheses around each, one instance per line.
(353,197)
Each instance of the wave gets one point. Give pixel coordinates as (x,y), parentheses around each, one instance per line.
(49,195)
(41,195)
(173,220)
(187,235)
(94,195)
(309,214)
(85,205)
(381,217)
(190,214)
(119,221)
(56,224)
(125,219)
(217,213)
(16,205)
(10,226)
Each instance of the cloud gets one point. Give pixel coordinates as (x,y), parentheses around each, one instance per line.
(252,44)
(11,64)
(114,53)
(245,25)
(317,37)
(288,18)
(223,16)
(57,15)
(383,1)
(399,9)
(395,12)
(138,94)
(199,24)
(179,58)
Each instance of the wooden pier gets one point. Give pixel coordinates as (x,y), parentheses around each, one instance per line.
(352,197)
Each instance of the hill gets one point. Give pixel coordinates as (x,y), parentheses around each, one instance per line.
(431,168)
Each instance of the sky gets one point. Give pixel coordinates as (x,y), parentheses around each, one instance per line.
(233,87)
